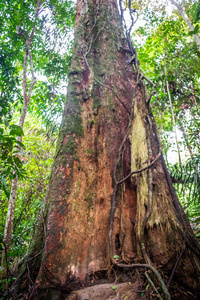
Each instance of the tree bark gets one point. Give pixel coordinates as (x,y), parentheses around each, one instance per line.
(110,194)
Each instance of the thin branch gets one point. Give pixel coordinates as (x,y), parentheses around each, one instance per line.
(31,64)
(31,89)
(148,80)
(29,275)
(175,267)
(128,31)
(157,274)
(30,228)
(38,9)
(33,29)
(25,77)
(153,285)
(172,112)
(141,170)
(131,11)
(176,4)
(21,32)
(47,271)
(150,96)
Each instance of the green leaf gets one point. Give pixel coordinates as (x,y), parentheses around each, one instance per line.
(16,130)
(198,53)
(6,191)
(195,31)
(116,256)
(21,144)
(196,28)
(114,287)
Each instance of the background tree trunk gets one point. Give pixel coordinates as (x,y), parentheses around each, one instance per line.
(181,9)
(107,132)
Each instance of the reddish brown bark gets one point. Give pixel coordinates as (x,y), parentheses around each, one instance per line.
(107,132)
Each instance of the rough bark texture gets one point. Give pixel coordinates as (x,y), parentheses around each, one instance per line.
(107,132)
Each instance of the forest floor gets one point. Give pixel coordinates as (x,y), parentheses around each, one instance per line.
(136,287)
(123,291)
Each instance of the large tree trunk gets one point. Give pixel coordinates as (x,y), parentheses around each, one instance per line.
(91,214)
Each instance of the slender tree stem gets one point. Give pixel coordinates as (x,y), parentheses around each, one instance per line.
(173,117)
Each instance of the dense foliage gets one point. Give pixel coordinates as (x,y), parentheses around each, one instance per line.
(52,30)
(31,158)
